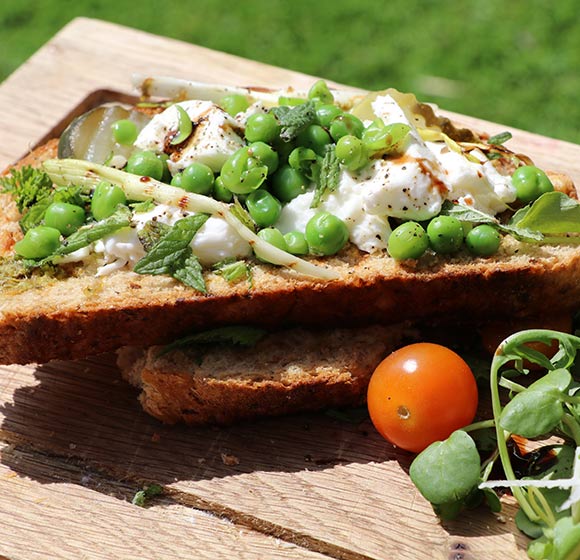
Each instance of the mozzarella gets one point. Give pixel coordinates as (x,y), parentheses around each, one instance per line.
(213,140)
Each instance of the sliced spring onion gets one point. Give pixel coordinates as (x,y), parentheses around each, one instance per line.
(174,88)
(88,175)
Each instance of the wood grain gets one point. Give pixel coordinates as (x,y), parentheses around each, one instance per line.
(298,487)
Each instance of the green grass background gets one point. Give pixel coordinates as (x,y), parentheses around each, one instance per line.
(515,62)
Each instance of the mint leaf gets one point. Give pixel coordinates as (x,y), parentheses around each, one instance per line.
(170,253)
(90,233)
(237,334)
(500,138)
(190,273)
(551,213)
(151,234)
(329,176)
(294,120)
(144,206)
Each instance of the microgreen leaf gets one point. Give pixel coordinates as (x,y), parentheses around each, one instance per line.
(552,213)
(294,120)
(140,498)
(144,206)
(329,176)
(232,270)
(91,233)
(447,471)
(533,412)
(566,539)
(238,334)
(500,138)
(242,214)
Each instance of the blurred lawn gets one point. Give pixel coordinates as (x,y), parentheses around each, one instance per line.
(514,62)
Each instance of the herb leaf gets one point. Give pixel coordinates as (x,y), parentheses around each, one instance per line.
(499,139)
(447,471)
(294,120)
(27,185)
(172,254)
(551,213)
(151,234)
(190,273)
(243,215)
(144,206)
(88,234)
(232,270)
(237,334)
(329,176)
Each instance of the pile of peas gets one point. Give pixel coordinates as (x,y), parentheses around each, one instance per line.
(446,234)
(269,171)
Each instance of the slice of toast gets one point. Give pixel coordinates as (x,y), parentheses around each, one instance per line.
(79,314)
(289,371)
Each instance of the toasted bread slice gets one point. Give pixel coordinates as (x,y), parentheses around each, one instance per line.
(289,371)
(78,315)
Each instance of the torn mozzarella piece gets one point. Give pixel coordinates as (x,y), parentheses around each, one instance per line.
(214,138)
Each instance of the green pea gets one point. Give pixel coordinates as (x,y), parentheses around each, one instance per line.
(234,103)
(315,138)
(176,180)
(287,183)
(381,137)
(530,183)
(241,173)
(483,240)
(105,200)
(263,207)
(326,234)
(319,90)
(272,236)
(346,124)
(445,234)
(65,217)
(351,152)
(38,243)
(296,242)
(265,155)
(146,164)
(197,178)
(125,132)
(262,127)
(408,241)
(166,177)
(325,113)
(220,192)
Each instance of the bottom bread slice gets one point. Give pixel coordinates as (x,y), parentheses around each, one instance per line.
(288,371)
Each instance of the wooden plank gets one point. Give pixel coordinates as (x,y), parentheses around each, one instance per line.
(60,510)
(329,485)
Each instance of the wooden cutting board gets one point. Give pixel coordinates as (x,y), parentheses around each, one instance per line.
(75,445)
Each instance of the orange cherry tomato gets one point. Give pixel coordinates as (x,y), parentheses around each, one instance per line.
(421,394)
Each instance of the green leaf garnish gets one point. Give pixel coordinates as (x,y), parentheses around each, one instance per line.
(242,214)
(152,233)
(232,270)
(294,120)
(27,185)
(329,176)
(238,335)
(447,471)
(499,139)
(172,254)
(142,207)
(552,213)
(184,127)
